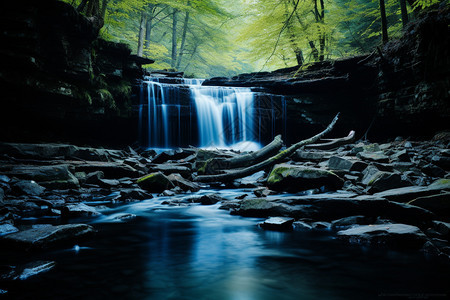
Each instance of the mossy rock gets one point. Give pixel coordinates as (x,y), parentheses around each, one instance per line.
(296,178)
(155,182)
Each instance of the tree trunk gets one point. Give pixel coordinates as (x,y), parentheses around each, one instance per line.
(322,34)
(215,164)
(266,163)
(183,39)
(148,26)
(404,12)
(140,48)
(384,32)
(174,38)
(333,143)
(104,6)
(293,39)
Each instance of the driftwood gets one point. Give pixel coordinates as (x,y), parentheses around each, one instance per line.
(235,174)
(333,143)
(212,166)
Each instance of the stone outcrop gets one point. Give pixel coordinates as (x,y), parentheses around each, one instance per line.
(59,81)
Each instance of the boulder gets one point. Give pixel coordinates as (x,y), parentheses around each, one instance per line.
(170,155)
(184,184)
(442,228)
(391,235)
(379,156)
(28,187)
(7,228)
(207,199)
(47,236)
(439,203)
(277,223)
(433,170)
(383,181)
(410,193)
(155,182)
(441,161)
(346,164)
(347,222)
(134,194)
(401,155)
(94,177)
(78,210)
(261,208)
(262,192)
(54,177)
(296,178)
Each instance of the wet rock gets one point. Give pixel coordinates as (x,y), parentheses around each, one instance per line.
(155,182)
(347,222)
(183,183)
(230,205)
(297,178)
(94,177)
(241,196)
(4,179)
(277,223)
(442,228)
(125,217)
(78,210)
(47,236)
(7,228)
(346,164)
(262,208)
(111,170)
(35,268)
(134,194)
(207,199)
(301,225)
(379,156)
(369,175)
(167,193)
(262,192)
(170,155)
(439,203)
(320,225)
(28,187)
(392,235)
(109,183)
(441,161)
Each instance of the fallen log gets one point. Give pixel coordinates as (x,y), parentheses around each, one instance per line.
(333,143)
(239,173)
(213,165)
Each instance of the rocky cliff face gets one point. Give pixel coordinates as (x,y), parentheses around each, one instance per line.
(59,81)
(404,91)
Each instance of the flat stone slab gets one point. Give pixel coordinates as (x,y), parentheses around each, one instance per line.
(46,236)
(406,194)
(397,235)
(277,223)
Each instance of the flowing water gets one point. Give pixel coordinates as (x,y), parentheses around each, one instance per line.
(201,252)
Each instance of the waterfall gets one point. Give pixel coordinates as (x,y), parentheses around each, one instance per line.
(204,116)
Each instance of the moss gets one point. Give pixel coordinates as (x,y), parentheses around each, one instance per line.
(277,175)
(142,179)
(202,169)
(107,98)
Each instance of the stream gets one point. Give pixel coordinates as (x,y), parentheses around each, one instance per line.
(202,252)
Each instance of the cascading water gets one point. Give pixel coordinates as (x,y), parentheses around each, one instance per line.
(186,113)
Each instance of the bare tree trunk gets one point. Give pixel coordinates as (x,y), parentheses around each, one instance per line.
(384,32)
(183,39)
(404,11)
(174,38)
(140,48)
(322,34)
(333,143)
(293,39)
(266,163)
(149,25)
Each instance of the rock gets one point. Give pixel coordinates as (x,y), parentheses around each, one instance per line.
(111,170)
(441,161)
(7,228)
(277,223)
(28,187)
(442,228)
(347,222)
(383,181)
(168,169)
(108,183)
(241,196)
(207,199)
(78,210)
(184,184)
(167,193)
(94,177)
(35,268)
(392,235)
(433,170)
(262,192)
(346,164)
(54,177)
(4,179)
(320,225)
(262,208)
(47,236)
(155,182)
(296,178)
(370,174)
(379,156)
(134,194)
(403,166)
(301,155)
(407,194)
(125,217)
(229,205)
(401,155)
(170,155)
(439,203)
(300,225)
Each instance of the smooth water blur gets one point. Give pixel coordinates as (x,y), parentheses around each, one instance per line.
(201,252)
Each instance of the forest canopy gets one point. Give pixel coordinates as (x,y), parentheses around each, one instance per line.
(206,38)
